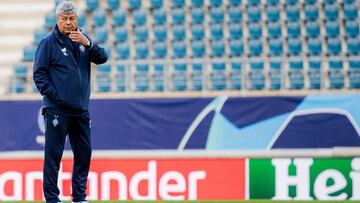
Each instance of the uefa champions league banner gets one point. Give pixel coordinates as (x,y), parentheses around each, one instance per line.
(220,123)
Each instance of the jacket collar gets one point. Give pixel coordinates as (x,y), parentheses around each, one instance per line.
(58,35)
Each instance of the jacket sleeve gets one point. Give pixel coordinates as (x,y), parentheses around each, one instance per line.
(97,54)
(41,72)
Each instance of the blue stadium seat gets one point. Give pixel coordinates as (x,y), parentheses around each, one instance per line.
(254,2)
(292,13)
(314,73)
(275,67)
(255,47)
(29,52)
(311,12)
(197,15)
(122,50)
(217,48)
(197,32)
(156,4)
(120,34)
(234,3)
(310,2)
(82,19)
(296,73)
(39,34)
(235,30)
(333,46)
(142,50)
(178,3)
(331,11)
(254,14)
(57,2)
(158,76)
(160,32)
(255,30)
(216,31)
(273,13)
(354,72)
(197,76)
(294,29)
(141,33)
(178,16)
(198,48)
(160,49)
(92,5)
(20,78)
(141,77)
(197,3)
(236,48)
(179,77)
(215,3)
(50,20)
(294,46)
(99,18)
(235,14)
(217,15)
(329,2)
(179,49)
(235,76)
(291,2)
(113,4)
(103,79)
(274,29)
(272,2)
(160,16)
(108,48)
(314,46)
(140,17)
(353,46)
(312,29)
(118,17)
(352,28)
(332,28)
(134,4)
(256,74)
(350,11)
(336,73)
(179,32)
(101,34)
(120,78)
(275,46)
(349,1)
(218,76)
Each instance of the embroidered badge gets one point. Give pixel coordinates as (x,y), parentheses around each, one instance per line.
(55,122)
(64,51)
(82,48)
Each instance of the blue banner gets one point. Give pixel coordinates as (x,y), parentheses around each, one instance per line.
(221,123)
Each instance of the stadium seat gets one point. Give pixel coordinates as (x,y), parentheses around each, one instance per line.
(82,19)
(314,46)
(141,77)
(120,78)
(160,32)
(134,4)
(179,32)
(198,48)
(29,52)
(291,2)
(160,16)
(216,31)
(349,1)
(92,4)
(275,67)
(120,34)
(294,46)
(234,3)
(217,48)
(140,17)
(311,12)
(310,2)
(336,73)
(352,28)
(160,49)
(113,4)
(293,29)
(236,48)
(331,11)
(158,77)
(108,48)
(273,13)
(296,73)
(178,3)
(235,14)
(215,3)
(197,3)
(292,13)
(235,76)
(197,32)
(217,15)
(197,15)
(178,16)
(254,14)
(312,29)
(39,34)
(255,30)
(272,2)
(156,4)
(256,74)
(350,11)
(255,47)
(314,73)
(103,79)
(122,50)
(142,50)
(275,46)
(354,72)
(218,76)
(179,77)
(179,49)
(141,33)
(253,3)
(197,76)
(274,29)
(235,30)
(333,46)
(101,34)
(332,28)
(329,2)
(118,17)
(50,20)
(353,46)
(20,78)
(99,18)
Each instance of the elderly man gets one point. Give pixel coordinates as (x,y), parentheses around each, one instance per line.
(62,75)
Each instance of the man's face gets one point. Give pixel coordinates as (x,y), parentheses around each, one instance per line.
(66,23)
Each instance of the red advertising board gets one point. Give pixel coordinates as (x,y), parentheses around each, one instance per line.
(126,179)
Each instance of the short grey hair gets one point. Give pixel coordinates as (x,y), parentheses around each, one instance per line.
(66,7)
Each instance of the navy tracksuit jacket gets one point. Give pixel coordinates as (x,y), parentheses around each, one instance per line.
(61,73)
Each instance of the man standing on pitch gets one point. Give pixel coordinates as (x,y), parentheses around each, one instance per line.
(62,75)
